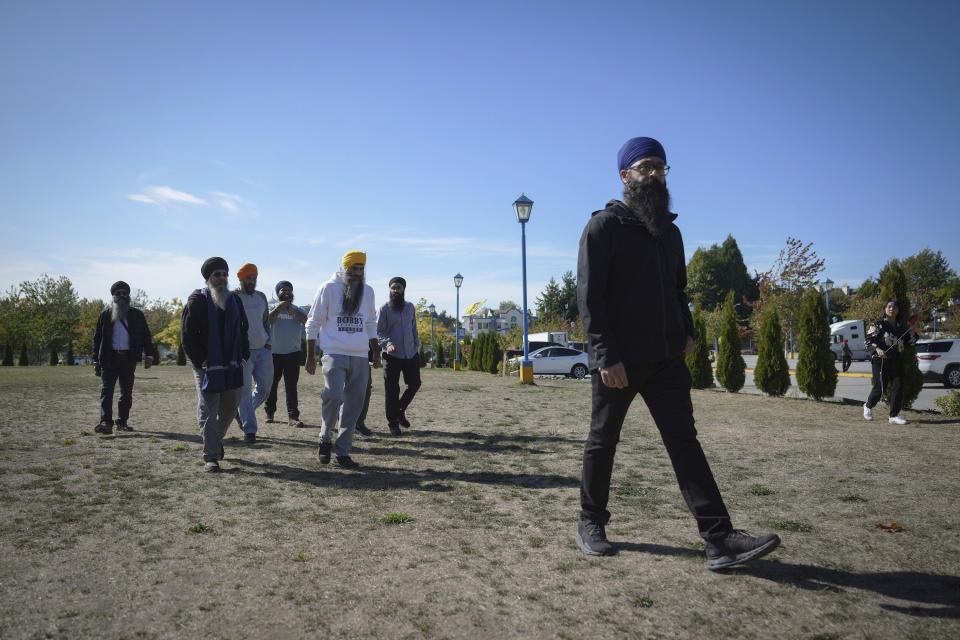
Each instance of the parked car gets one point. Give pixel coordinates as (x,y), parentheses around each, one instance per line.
(939,360)
(559,361)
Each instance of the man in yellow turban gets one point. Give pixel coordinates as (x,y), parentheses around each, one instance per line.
(343,323)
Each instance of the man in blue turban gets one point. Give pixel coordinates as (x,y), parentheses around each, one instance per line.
(631,292)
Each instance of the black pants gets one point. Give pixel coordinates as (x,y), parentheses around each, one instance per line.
(887,371)
(392,368)
(286,366)
(118,368)
(846,363)
(665,387)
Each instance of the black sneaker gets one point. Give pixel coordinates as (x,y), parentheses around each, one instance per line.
(211,467)
(363,431)
(738,546)
(249,438)
(123,426)
(269,415)
(323,452)
(403,420)
(345,462)
(593,539)
(395,430)
(104,427)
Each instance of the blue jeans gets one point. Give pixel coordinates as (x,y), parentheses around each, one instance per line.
(258,369)
(345,380)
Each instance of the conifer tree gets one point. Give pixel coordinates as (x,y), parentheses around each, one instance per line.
(8,355)
(772,374)
(70,354)
(54,355)
(181,354)
(701,373)
(894,285)
(731,369)
(816,368)
(24,361)
(423,356)
(441,356)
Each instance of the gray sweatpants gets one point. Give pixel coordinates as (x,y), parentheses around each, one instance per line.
(344,386)
(215,415)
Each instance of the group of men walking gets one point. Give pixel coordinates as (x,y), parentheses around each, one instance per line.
(631,282)
(240,349)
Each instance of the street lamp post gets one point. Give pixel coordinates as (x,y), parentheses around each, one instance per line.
(433,311)
(522,207)
(790,323)
(935,311)
(827,286)
(457,281)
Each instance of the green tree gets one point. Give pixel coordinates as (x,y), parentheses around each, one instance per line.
(181,354)
(701,373)
(441,359)
(8,354)
(796,269)
(772,374)
(550,302)
(894,285)
(714,271)
(816,371)
(731,369)
(54,355)
(568,296)
(69,357)
(24,361)
(52,309)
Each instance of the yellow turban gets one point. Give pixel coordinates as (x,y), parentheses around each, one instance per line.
(248,269)
(351,258)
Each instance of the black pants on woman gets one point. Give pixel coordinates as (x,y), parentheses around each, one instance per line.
(887,372)
(665,387)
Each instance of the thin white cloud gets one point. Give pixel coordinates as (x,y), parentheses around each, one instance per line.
(164,195)
(236,204)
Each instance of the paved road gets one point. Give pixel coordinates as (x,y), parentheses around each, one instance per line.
(855,384)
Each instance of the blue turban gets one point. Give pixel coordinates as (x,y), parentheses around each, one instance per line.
(282,284)
(638,148)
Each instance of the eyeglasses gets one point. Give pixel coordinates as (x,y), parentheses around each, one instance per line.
(649,168)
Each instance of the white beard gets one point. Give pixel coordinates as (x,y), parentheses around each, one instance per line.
(119,311)
(220,295)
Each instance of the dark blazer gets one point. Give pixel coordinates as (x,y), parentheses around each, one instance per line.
(631,290)
(141,341)
(193,328)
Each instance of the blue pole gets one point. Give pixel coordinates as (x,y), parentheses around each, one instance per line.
(432,345)
(523,253)
(828,306)
(456,331)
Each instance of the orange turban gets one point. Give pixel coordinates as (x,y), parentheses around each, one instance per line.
(351,258)
(248,269)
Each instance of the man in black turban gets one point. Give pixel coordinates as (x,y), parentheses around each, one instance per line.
(119,340)
(631,292)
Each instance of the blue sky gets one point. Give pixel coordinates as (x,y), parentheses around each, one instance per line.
(138,139)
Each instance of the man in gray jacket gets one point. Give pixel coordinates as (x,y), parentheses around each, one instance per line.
(400,345)
(258,369)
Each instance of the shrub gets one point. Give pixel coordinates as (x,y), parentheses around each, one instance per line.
(701,372)
(949,404)
(772,374)
(894,285)
(731,369)
(816,371)
(181,355)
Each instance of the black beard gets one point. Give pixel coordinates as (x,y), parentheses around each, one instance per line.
(650,202)
(248,289)
(396,301)
(352,294)
(120,308)
(286,297)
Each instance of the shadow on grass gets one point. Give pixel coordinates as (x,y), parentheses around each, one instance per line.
(374,477)
(943,591)
(913,586)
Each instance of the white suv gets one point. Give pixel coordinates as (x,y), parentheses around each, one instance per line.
(939,360)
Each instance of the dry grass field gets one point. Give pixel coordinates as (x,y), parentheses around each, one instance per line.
(463,527)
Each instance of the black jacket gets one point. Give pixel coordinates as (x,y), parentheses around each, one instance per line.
(140,340)
(631,290)
(193,328)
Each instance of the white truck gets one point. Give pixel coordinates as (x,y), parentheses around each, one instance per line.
(559,337)
(853,332)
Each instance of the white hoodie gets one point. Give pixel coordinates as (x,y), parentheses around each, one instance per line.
(335,331)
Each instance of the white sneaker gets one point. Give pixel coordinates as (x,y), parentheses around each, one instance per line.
(867,413)
(897,420)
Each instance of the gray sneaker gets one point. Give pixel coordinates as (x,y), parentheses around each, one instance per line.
(738,546)
(211,467)
(592,539)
